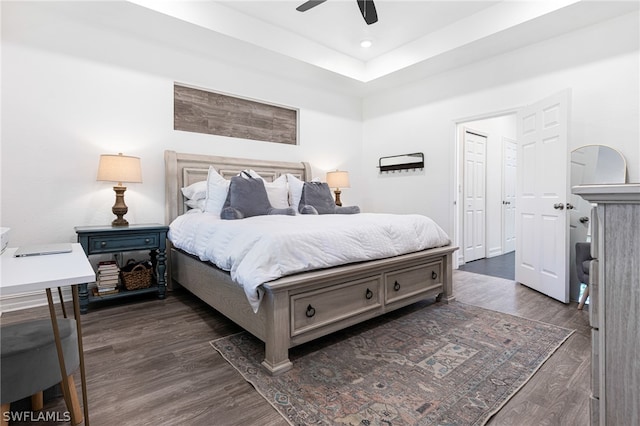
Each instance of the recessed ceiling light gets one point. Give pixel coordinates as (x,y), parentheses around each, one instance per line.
(366,43)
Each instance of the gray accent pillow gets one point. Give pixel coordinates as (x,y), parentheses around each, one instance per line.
(289,211)
(318,196)
(307,209)
(347,210)
(316,199)
(247,197)
(229,213)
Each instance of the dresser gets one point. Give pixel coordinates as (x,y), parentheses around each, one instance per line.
(614,312)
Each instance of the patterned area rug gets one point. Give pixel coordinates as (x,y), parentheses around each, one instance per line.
(441,364)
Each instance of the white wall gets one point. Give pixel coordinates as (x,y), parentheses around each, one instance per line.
(72,91)
(599,63)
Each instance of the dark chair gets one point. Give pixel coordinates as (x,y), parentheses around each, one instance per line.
(30,363)
(583,259)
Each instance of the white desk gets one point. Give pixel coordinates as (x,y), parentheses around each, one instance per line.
(33,273)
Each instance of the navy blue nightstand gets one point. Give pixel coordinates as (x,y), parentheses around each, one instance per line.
(116,239)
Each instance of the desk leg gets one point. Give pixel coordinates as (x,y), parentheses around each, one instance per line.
(83,378)
(63,367)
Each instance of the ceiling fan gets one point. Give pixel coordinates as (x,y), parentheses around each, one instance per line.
(367,8)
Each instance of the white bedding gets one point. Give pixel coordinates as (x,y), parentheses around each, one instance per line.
(260,249)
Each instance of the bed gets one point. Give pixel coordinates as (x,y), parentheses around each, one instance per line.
(297,308)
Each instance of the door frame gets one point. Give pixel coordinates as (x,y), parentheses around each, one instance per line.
(458,170)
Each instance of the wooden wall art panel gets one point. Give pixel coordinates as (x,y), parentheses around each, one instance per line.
(201,111)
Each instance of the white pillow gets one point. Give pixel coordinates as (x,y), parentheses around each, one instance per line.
(277,191)
(295,191)
(196,204)
(217,189)
(251,173)
(196,191)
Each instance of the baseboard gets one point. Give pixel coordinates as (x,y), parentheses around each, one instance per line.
(15,302)
(496,251)
(493,252)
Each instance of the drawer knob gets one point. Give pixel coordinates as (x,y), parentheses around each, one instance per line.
(147,240)
(434,275)
(368,294)
(311,311)
(103,244)
(396,286)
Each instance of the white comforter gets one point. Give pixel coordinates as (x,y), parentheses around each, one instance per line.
(260,249)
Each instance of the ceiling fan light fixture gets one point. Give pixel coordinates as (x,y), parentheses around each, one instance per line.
(365,44)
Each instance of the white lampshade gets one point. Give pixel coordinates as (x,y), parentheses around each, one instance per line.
(338,179)
(119,168)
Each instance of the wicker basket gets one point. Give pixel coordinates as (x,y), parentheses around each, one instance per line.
(136,276)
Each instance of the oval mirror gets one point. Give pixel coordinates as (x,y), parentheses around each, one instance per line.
(591,164)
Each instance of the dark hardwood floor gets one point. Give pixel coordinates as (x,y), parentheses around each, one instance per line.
(149,362)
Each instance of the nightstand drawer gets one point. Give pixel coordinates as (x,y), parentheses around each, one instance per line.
(100,244)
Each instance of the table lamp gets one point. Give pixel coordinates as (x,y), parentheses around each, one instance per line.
(119,168)
(337,180)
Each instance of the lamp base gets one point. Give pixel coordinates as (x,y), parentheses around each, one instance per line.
(119,208)
(338,201)
(119,221)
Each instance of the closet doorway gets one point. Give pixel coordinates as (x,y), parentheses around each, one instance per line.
(486,167)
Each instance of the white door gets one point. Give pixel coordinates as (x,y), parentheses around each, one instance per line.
(475,163)
(509,163)
(542,245)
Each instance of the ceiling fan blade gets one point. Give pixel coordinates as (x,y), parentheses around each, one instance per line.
(368,10)
(308,5)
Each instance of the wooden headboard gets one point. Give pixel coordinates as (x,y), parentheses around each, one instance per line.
(182,170)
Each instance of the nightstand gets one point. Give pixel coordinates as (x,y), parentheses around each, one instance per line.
(116,239)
